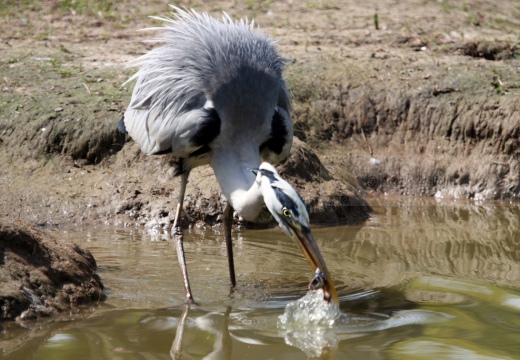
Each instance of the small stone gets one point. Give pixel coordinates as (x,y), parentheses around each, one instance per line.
(58,109)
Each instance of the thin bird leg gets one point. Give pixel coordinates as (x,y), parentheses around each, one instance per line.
(228,222)
(179,239)
(184,182)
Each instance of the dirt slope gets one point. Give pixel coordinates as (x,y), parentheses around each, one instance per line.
(426,104)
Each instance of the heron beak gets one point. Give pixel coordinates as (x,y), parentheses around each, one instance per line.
(305,240)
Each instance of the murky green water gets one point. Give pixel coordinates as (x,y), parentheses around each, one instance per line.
(421,280)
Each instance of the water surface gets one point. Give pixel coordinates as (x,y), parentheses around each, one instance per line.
(421,280)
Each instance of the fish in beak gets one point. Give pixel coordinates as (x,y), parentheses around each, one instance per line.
(322,279)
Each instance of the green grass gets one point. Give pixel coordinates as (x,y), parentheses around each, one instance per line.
(445,6)
(323,5)
(85,6)
(13,8)
(255,5)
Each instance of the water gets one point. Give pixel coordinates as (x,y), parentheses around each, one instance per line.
(310,311)
(421,280)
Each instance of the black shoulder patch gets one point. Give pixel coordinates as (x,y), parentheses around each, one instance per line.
(208,130)
(278,137)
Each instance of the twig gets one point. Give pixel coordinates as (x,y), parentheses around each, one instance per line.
(86,87)
(369,147)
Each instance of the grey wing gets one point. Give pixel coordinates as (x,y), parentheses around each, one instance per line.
(158,129)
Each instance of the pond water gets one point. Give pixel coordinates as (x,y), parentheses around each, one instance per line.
(422,279)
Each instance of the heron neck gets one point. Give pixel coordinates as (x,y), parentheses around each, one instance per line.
(237,181)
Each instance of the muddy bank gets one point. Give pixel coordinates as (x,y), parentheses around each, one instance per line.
(40,276)
(445,127)
(131,188)
(424,105)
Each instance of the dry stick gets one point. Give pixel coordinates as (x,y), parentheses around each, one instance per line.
(86,87)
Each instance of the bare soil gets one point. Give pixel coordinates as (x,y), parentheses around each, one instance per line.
(40,276)
(425,104)
(410,97)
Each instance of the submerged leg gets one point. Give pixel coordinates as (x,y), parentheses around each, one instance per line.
(179,238)
(176,349)
(227,340)
(228,222)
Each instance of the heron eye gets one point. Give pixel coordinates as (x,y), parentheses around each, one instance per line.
(286,212)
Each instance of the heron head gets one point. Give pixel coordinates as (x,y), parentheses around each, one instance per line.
(288,209)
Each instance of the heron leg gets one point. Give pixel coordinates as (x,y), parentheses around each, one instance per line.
(228,222)
(178,236)
(184,182)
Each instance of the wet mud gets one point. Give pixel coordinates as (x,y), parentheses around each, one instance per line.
(41,276)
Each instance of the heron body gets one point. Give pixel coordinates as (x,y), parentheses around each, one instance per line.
(213,94)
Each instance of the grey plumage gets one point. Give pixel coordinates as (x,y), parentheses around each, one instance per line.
(206,63)
(213,93)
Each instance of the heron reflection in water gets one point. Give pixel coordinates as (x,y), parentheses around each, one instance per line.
(213,94)
(315,342)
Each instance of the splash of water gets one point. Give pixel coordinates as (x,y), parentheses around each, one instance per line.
(310,310)
(308,324)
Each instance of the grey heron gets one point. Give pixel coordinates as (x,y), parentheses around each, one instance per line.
(213,94)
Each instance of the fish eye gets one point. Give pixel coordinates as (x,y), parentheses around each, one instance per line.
(286,212)
(316,283)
